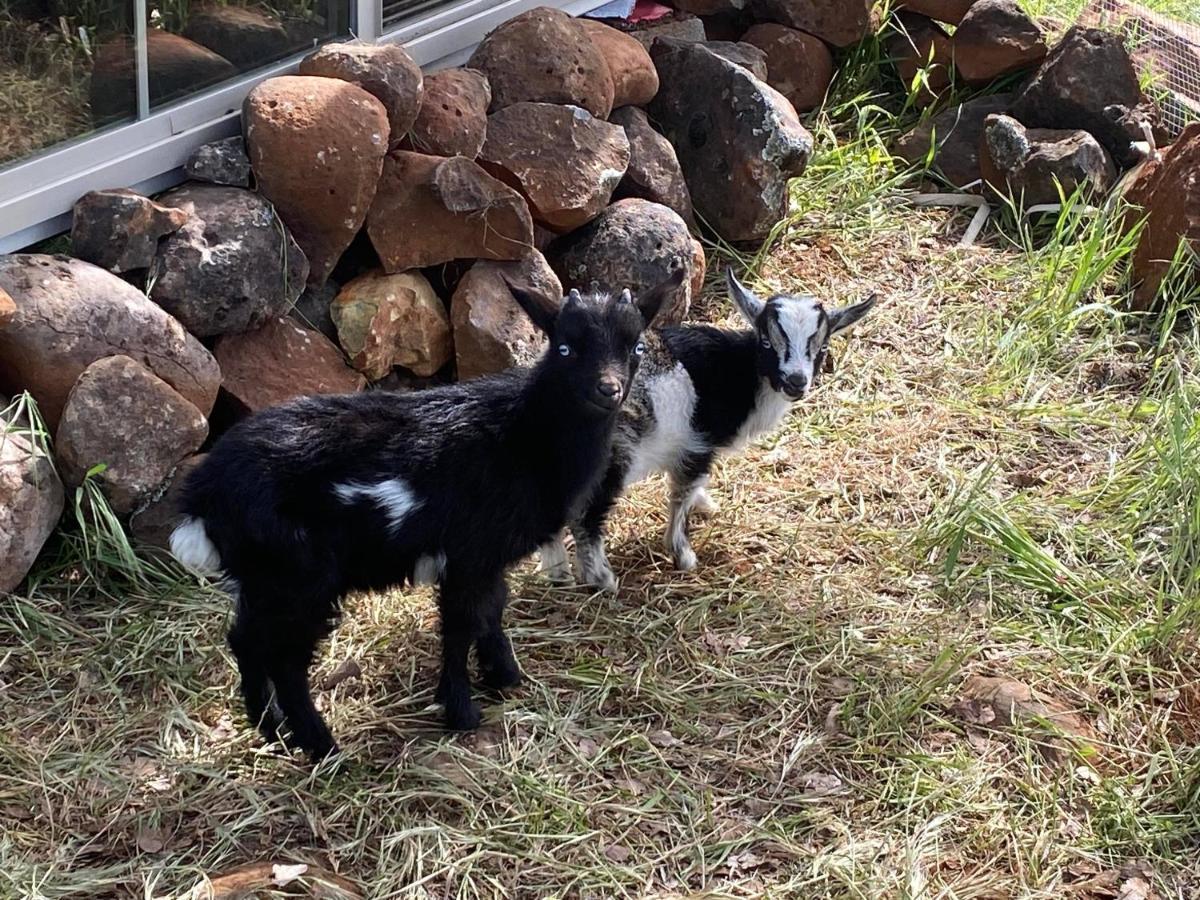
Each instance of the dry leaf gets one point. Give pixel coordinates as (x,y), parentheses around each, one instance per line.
(588,748)
(663,738)
(246,880)
(344,672)
(820,783)
(617,853)
(150,839)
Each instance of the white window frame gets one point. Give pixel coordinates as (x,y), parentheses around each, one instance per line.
(36,196)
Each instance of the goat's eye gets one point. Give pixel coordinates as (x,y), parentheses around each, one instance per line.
(640,348)
(564,349)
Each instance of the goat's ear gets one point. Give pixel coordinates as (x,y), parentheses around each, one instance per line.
(842,318)
(650,303)
(542,311)
(749,305)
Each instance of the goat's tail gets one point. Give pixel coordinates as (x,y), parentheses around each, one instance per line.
(191,545)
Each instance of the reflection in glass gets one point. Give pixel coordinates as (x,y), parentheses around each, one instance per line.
(48,49)
(194,45)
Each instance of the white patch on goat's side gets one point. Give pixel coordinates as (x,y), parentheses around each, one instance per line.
(191,545)
(770,406)
(429,569)
(673,400)
(394,498)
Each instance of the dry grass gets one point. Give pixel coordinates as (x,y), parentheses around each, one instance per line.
(1000,480)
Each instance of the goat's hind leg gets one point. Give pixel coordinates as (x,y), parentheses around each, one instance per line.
(461,627)
(498,667)
(257,691)
(687,486)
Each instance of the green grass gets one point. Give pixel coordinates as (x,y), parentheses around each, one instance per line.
(1001,479)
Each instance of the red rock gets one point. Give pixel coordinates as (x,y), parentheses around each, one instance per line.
(317,146)
(799,65)
(837,22)
(70,314)
(119,230)
(634,244)
(1168,193)
(453,116)
(31,502)
(997,38)
(948,11)
(246,36)
(653,172)
(545,56)
(738,140)
(565,162)
(635,81)
(8,308)
(385,71)
(491,331)
(392,320)
(1032,165)
(431,209)
(921,44)
(159,516)
(280,361)
(120,415)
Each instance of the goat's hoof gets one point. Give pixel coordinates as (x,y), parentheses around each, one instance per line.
(601,579)
(463,716)
(504,678)
(322,752)
(557,574)
(704,504)
(685,559)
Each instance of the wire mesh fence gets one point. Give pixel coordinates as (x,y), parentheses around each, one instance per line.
(1167,50)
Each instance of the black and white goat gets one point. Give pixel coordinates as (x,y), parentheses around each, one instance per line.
(303,503)
(703,391)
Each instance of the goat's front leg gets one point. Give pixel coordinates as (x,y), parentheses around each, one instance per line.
(553,561)
(687,487)
(497,665)
(594,569)
(461,626)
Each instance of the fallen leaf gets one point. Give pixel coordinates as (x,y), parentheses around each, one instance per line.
(224,730)
(663,738)
(150,839)
(240,883)
(617,853)
(1002,703)
(820,783)
(833,727)
(588,748)
(344,672)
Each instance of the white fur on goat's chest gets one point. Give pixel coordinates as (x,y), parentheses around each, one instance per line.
(770,407)
(672,397)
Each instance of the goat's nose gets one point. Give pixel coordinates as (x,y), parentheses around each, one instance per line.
(609,388)
(795,384)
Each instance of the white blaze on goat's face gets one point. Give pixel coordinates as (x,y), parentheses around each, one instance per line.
(797,330)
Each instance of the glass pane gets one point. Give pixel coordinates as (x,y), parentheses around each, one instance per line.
(192,46)
(66,70)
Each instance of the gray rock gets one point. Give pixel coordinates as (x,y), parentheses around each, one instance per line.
(312,309)
(1089,82)
(752,59)
(220,162)
(31,501)
(634,244)
(232,267)
(1031,165)
(653,172)
(738,140)
(958,134)
(120,415)
(119,230)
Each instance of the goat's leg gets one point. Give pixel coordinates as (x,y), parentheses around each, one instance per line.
(460,629)
(594,569)
(248,646)
(497,666)
(288,665)
(553,561)
(703,504)
(687,483)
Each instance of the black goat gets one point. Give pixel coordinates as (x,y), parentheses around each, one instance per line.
(303,503)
